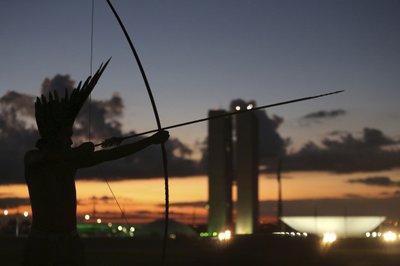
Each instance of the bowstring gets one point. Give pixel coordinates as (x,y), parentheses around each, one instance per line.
(89,108)
(91,68)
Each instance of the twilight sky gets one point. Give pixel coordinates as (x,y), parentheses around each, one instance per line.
(202,54)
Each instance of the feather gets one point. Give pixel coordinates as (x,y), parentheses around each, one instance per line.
(54,114)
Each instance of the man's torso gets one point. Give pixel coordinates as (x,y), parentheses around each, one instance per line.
(53,196)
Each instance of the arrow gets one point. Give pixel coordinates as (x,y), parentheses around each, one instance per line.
(120,139)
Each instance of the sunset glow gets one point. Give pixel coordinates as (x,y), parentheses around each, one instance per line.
(142,200)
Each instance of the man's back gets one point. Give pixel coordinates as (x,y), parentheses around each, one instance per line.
(52,193)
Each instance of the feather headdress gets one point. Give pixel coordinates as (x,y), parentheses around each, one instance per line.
(54,113)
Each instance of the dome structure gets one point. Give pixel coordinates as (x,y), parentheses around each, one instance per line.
(342,226)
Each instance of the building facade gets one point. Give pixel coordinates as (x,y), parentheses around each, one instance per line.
(220,173)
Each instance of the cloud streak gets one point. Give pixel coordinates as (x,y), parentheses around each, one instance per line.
(11,202)
(325,114)
(321,116)
(348,205)
(381,181)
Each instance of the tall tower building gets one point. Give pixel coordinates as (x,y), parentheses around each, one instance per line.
(246,170)
(219,172)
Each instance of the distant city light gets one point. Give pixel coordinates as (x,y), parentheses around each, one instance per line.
(119,228)
(237,108)
(226,235)
(26,214)
(374,234)
(172,236)
(87,217)
(5,212)
(208,234)
(389,236)
(109,224)
(98,221)
(132,229)
(249,107)
(329,238)
(367,234)
(221,236)
(299,234)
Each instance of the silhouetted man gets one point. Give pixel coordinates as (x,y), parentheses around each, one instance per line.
(50,171)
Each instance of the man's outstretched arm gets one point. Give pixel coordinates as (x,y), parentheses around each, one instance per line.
(98,157)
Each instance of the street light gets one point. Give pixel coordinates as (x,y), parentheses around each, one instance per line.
(328,238)
(389,236)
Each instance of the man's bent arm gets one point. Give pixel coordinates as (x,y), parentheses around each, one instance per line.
(98,157)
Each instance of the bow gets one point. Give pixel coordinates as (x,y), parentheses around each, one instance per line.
(116,141)
(157,118)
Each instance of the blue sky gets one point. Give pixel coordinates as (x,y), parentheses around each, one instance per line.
(202,54)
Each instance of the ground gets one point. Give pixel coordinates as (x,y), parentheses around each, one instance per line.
(240,251)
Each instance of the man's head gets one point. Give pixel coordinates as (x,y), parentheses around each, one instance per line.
(61,140)
(55,116)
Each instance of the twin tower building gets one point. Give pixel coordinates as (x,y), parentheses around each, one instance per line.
(233,158)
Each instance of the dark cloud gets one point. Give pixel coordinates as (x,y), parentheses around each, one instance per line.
(272,144)
(104,119)
(323,114)
(102,198)
(58,83)
(352,196)
(338,152)
(192,204)
(351,206)
(21,104)
(347,153)
(18,134)
(95,199)
(382,181)
(11,202)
